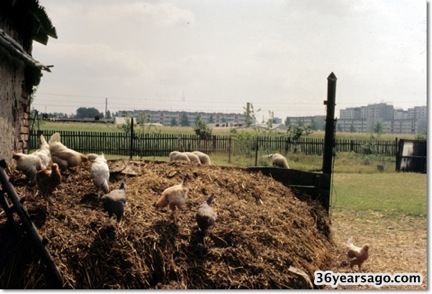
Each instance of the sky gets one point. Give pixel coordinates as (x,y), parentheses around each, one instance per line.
(216,56)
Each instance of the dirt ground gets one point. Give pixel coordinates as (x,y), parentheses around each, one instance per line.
(398,244)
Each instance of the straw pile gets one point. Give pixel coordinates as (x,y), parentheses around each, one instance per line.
(264,237)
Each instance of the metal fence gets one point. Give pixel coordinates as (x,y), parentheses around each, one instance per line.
(153,144)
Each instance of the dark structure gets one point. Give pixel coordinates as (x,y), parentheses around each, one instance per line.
(21,22)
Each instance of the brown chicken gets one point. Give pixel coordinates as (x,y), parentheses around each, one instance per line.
(357,255)
(174,197)
(48,180)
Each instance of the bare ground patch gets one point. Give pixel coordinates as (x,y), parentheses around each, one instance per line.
(398,244)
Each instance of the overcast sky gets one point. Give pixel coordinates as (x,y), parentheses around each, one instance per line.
(215,56)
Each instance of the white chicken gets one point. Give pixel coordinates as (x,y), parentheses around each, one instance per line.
(43,152)
(62,155)
(357,255)
(29,164)
(99,171)
(174,197)
(206,216)
(114,202)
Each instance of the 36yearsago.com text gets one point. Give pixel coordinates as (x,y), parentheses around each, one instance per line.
(329,278)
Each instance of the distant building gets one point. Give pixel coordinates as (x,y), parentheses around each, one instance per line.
(398,121)
(168,118)
(317,122)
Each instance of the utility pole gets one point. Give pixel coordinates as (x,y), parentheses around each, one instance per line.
(248,115)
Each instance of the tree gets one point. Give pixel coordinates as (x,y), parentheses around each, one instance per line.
(184,120)
(270,121)
(378,129)
(197,119)
(84,112)
(287,121)
(173,122)
(211,119)
(249,113)
(202,130)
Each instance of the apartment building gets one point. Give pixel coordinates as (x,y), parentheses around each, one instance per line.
(168,118)
(398,121)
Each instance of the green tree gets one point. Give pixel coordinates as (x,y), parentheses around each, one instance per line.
(184,120)
(287,121)
(211,119)
(84,112)
(202,130)
(173,122)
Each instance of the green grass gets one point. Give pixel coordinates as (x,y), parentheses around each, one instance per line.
(391,193)
(109,127)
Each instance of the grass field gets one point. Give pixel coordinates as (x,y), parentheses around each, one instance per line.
(389,193)
(109,127)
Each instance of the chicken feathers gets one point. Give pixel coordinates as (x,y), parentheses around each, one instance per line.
(62,155)
(48,180)
(206,216)
(174,197)
(99,171)
(357,255)
(114,202)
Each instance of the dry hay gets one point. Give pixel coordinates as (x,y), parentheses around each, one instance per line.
(264,237)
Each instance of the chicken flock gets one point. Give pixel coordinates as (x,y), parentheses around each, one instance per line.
(44,167)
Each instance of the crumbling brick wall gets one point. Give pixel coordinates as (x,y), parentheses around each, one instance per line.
(14,106)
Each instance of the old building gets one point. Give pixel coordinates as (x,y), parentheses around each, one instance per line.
(21,23)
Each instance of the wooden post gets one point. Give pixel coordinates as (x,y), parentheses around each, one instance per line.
(330,124)
(229,149)
(56,278)
(256,152)
(329,138)
(131,138)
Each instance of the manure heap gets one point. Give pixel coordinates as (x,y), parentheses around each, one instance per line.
(264,236)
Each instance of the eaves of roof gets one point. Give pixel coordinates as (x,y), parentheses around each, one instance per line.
(15,49)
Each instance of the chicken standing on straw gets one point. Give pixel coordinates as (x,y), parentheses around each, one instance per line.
(206,217)
(114,202)
(99,171)
(48,180)
(174,197)
(357,255)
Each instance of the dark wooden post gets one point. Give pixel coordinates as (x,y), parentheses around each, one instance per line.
(330,124)
(55,278)
(131,138)
(329,139)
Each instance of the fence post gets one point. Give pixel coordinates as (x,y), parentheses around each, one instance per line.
(131,138)
(229,149)
(256,152)
(329,134)
(330,124)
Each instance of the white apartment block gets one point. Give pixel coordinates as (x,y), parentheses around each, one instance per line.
(398,121)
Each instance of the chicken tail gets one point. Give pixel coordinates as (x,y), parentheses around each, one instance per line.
(350,243)
(54,138)
(42,140)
